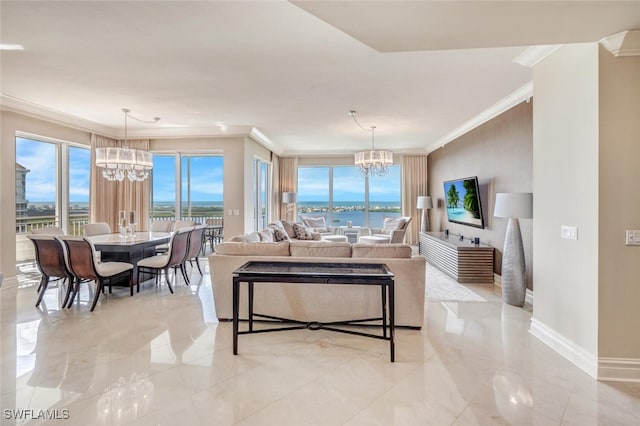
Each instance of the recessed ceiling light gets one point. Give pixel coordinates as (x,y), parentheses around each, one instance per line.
(11,46)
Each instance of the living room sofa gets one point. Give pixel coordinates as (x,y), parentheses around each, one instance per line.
(325,302)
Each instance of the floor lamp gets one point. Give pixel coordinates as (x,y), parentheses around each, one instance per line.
(424,203)
(289,198)
(516,205)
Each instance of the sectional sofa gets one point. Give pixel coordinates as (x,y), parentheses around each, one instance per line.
(321,302)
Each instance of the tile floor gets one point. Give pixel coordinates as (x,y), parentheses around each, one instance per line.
(162,359)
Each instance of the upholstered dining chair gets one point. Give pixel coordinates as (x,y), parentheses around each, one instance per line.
(195,246)
(174,258)
(51,263)
(48,230)
(98,228)
(83,265)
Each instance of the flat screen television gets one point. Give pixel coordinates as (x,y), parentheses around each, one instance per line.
(462,199)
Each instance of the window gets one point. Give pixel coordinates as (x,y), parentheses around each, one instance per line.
(187,187)
(262,173)
(52,188)
(342,195)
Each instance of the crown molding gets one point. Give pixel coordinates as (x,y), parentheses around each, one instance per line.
(9,103)
(535,54)
(520,95)
(626,43)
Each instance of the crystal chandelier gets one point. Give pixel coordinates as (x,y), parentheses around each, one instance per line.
(118,162)
(372,162)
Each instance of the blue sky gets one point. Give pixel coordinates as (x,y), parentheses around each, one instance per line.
(348,184)
(40,159)
(206,176)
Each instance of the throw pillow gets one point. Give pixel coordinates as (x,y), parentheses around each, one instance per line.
(302,232)
(266,235)
(393,223)
(280,235)
(316,223)
(288,228)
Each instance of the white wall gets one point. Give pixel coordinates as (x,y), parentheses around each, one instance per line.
(565,187)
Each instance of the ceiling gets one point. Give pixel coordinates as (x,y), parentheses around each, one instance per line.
(289,72)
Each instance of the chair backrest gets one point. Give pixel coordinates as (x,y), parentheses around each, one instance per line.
(180,224)
(178,247)
(50,256)
(98,228)
(195,241)
(161,226)
(48,230)
(80,255)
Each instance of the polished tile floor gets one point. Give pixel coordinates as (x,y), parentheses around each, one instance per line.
(162,359)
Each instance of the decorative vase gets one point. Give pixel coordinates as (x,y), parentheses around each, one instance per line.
(514,273)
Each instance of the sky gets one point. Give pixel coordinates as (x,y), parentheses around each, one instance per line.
(40,159)
(348,184)
(206,177)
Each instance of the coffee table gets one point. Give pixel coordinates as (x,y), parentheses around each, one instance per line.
(316,273)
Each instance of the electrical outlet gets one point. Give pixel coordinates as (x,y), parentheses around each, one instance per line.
(569,232)
(230,213)
(632,237)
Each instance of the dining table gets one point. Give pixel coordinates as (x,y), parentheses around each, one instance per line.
(129,248)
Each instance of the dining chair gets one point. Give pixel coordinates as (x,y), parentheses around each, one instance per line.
(215,234)
(173,258)
(179,224)
(50,259)
(83,265)
(98,228)
(161,226)
(195,246)
(48,230)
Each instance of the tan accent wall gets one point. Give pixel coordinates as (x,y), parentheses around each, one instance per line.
(619,206)
(500,154)
(565,170)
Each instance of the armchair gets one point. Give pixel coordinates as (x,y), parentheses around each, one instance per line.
(318,224)
(394,229)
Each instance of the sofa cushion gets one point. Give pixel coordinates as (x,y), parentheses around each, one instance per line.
(393,223)
(266,235)
(302,232)
(253,237)
(381,250)
(253,249)
(317,223)
(319,249)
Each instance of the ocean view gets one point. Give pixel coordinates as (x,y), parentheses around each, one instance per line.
(343,211)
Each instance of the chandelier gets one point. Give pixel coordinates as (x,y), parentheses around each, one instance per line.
(372,162)
(118,162)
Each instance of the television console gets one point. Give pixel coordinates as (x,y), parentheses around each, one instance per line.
(463,260)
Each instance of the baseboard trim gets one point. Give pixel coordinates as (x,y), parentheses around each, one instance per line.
(9,282)
(583,359)
(619,369)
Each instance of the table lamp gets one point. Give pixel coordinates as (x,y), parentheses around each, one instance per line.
(514,205)
(424,203)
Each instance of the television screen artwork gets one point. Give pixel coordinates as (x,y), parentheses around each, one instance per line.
(462,199)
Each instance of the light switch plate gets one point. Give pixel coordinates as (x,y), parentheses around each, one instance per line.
(632,237)
(569,232)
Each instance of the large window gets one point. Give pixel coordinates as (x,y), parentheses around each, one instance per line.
(187,187)
(52,185)
(262,175)
(52,188)
(342,195)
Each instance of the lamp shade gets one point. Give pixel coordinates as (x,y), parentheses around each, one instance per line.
(424,202)
(289,197)
(514,204)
